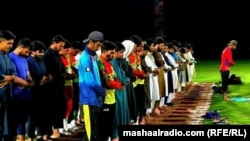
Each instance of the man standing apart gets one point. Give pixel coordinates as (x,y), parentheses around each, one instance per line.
(91,90)
(226,62)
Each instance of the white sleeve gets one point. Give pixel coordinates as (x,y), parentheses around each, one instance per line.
(150,63)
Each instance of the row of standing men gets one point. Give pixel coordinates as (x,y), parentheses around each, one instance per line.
(113,83)
(127,82)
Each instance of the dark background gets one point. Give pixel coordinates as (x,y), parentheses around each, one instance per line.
(208,25)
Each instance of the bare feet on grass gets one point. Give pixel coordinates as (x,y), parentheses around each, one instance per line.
(225,97)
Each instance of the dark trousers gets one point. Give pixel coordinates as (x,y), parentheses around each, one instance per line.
(5,120)
(225,80)
(39,117)
(56,102)
(76,105)
(21,112)
(140,100)
(94,114)
(107,121)
(132,102)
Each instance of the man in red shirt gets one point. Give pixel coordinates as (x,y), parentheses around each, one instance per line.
(226,62)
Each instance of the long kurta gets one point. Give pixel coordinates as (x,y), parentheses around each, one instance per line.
(122,116)
(153,80)
(55,67)
(147,88)
(174,71)
(129,89)
(39,94)
(129,46)
(161,78)
(6,68)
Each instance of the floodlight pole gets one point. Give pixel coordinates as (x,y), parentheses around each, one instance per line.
(159,18)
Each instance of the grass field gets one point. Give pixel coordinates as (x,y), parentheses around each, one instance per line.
(238,113)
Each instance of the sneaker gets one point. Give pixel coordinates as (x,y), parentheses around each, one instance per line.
(73,123)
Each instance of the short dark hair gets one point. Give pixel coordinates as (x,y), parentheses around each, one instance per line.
(136,39)
(146,47)
(25,42)
(77,45)
(58,38)
(108,45)
(67,44)
(182,50)
(170,45)
(119,46)
(38,45)
(7,34)
(150,41)
(159,40)
(176,43)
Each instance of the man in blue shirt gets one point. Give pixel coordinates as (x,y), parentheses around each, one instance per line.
(21,95)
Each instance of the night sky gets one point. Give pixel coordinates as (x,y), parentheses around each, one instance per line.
(208,25)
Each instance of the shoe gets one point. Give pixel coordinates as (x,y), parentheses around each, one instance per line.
(216,120)
(222,121)
(73,123)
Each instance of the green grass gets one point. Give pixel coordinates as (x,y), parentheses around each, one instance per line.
(237,112)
